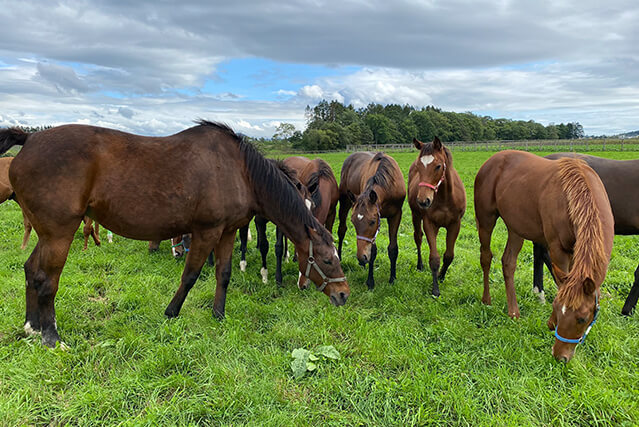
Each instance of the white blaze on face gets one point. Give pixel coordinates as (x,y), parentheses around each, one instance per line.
(427,159)
(308,204)
(335,251)
(563,309)
(360,216)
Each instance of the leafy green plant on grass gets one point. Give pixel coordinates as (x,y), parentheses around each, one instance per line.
(305,360)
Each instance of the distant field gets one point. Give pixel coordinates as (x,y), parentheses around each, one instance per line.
(406,358)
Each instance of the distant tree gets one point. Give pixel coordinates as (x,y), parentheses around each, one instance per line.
(284,131)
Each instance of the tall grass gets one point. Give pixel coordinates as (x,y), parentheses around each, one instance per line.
(407,359)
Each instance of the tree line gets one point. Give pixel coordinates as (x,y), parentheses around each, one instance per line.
(333,125)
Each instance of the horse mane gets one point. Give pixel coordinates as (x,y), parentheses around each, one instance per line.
(383,176)
(272,187)
(323,171)
(588,252)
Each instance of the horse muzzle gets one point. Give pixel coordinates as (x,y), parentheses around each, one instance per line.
(338,299)
(424,204)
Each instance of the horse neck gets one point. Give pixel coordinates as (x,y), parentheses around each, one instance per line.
(293,229)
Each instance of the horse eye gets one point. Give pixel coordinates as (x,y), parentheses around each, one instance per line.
(371,222)
(581,320)
(438,167)
(328,261)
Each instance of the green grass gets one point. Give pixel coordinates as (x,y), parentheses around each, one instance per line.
(407,359)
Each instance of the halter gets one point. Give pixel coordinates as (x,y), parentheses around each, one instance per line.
(583,337)
(311,262)
(379,223)
(435,187)
(180,244)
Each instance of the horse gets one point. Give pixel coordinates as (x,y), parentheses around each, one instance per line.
(437,198)
(260,226)
(562,205)
(60,175)
(6,192)
(621,179)
(374,185)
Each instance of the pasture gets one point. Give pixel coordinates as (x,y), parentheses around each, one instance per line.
(406,358)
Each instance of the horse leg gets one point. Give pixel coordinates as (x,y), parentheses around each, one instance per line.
(485,226)
(433,258)
(201,246)
(540,257)
(344,207)
(279,254)
(330,219)
(417,235)
(370,281)
(154,245)
(243,241)
(393,250)
(260,225)
(633,296)
(95,233)
(509,264)
(42,272)
(27,231)
(224,251)
(86,231)
(451,237)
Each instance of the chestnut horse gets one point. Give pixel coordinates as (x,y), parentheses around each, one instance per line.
(562,205)
(6,192)
(374,184)
(118,179)
(621,179)
(437,198)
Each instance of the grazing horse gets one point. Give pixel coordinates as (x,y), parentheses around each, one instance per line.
(562,205)
(374,185)
(437,198)
(621,179)
(260,226)
(6,192)
(60,175)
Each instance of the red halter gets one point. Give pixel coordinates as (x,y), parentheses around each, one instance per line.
(435,187)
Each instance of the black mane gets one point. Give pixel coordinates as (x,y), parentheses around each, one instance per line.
(383,176)
(275,191)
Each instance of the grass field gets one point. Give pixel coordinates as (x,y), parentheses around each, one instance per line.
(406,358)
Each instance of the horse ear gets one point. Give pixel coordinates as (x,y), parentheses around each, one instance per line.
(351,196)
(418,144)
(589,286)
(560,275)
(437,144)
(372,196)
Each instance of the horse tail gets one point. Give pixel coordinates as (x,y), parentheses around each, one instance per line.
(10,137)
(588,253)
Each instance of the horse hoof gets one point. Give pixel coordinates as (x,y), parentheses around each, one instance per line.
(264,273)
(242,265)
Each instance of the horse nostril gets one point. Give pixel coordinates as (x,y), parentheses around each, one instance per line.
(343,296)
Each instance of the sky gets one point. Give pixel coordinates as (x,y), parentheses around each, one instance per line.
(153,67)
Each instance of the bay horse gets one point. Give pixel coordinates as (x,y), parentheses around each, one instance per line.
(60,175)
(437,198)
(374,185)
(262,221)
(562,205)
(621,180)
(6,192)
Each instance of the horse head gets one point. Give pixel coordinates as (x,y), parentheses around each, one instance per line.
(319,263)
(367,219)
(431,170)
(574,312)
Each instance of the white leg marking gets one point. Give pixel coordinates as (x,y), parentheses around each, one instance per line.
(288,256)
(542,297)
(427,159)
(242,265)
(29,330)
(248,236)
(264,273)
(109,236)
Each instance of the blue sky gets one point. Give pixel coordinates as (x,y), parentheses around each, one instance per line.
(154,67)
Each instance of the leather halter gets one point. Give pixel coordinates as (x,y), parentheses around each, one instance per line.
(379,223)
(435,187)
(311,262)
(583,337)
